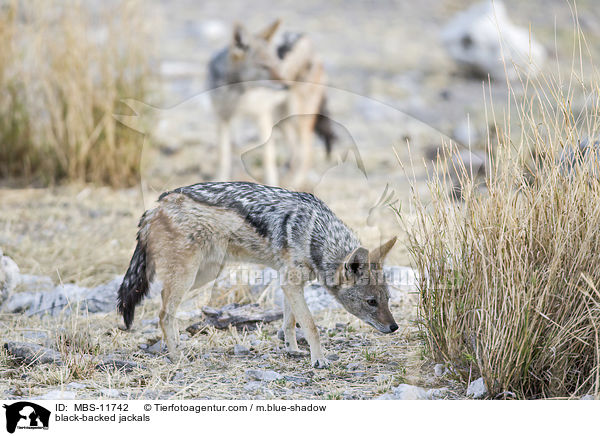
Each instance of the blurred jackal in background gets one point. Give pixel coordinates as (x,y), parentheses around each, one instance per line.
(252,79)
(185,241)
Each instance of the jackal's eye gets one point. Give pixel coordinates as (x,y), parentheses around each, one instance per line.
(372,302)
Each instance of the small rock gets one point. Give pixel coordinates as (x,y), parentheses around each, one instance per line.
(253,386)
(332,357)
(158,347)
(9,277)
(382,378)
(353,366)
(266,375)
(75,385)
(410,392)
(184,337)
(32,353)
(477,389)
(179,376)
(115,364)
(240,350)
(439,370)
(296,379)
(57,395)
(588,397)
(197,327)
(240,316)
(112,393)
(35,335)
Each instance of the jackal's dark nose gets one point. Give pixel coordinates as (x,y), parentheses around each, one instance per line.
(393,327)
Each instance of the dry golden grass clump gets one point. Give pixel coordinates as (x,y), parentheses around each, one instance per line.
(510,278)
(63,71)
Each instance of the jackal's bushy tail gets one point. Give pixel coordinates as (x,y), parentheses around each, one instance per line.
(136,282)
(324,127)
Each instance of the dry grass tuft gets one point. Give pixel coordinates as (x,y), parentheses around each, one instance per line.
(510,278)
(63,70)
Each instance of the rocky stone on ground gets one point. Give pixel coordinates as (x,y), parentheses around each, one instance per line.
(410,392)
(57,395)
(247,315)
(63,298)
(479,37)
(114,363)
(240,350)
(439,370)
(266,375)
(32,353)
(477,389)
(9,277)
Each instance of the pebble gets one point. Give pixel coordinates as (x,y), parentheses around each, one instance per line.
(112,393)
(32,353)
(266,375)
(439,370)
(57,395)
(240,350)
(477,389)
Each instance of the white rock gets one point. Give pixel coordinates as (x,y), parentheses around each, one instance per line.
(267,375)
(10,277)
(57,395)
(588,397)
(480,36)
(112,393)
(240,350)
(75,385)
(477,388)
(439,370)
(62,298)
(410,392)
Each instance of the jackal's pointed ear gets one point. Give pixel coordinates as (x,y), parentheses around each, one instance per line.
(355,265)
(239,41)
(268,32)
(379,254)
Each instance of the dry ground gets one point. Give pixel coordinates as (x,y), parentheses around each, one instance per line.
(85,234)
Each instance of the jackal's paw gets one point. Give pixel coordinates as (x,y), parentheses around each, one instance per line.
(320,363)
(178,357)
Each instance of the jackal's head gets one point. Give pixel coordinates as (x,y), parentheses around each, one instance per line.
(361,288)
(252,56)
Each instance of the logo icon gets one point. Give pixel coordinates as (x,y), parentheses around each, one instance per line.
(26,415)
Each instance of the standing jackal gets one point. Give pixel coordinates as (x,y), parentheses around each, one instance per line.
(185,241)
(249,78)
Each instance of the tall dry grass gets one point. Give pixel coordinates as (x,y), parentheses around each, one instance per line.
(63,70)
(510,278)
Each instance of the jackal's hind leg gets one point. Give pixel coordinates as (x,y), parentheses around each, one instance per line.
(294,294)
(289,328)
(177,273)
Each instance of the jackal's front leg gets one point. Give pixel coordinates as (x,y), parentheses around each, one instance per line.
(294,295)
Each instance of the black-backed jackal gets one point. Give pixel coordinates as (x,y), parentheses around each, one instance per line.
(249,78)
(186,240)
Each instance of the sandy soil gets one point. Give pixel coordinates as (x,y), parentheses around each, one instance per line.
(394,93)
